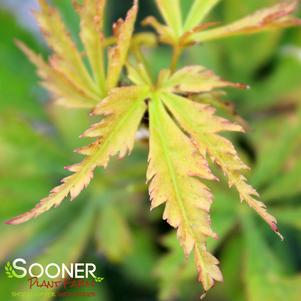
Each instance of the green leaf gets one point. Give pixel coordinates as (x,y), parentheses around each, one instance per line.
(138,75)
(173,269)
(112,233)
(232,255)
(280,84)
(92,13)
(70,245)
(171,11)
(265,278)
(140,262)
(258,49)
(286,185)
(273,153)
(198,12)
(17,86)
(289,215)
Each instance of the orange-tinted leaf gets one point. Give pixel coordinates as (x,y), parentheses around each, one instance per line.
(123,30)
(174,173)
(64,91)
(122,110)
(277,16)
(203,126)
(196,79)
(66,59)
(92,13)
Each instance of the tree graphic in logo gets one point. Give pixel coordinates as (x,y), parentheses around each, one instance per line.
(9,270)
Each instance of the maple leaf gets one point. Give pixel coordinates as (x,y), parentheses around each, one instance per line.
(184,134)
(198,12)
(116,135)
(192,30)
(203,135)
(204,132)
(194,79)
(91,34)
(65,92)
(65,74)
(174,180)
(277,16)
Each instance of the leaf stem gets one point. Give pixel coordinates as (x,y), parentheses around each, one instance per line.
(141,59)
(177,51)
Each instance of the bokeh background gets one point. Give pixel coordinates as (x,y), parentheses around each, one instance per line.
(110,223)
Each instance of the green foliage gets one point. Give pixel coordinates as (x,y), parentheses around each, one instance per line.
(178,110)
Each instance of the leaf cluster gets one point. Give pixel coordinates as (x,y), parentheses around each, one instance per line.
(185,133)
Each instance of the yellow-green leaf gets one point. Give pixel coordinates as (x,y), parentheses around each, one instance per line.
(123,30)
(171,12)
(203,126)
(123,110)
(92,15)
(65,92)
(277,16)
(165,33)
(198,12)
(196,79)
(174,173)
(66,58)
(138,75)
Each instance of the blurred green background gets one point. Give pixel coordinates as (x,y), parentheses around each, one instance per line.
(110,223)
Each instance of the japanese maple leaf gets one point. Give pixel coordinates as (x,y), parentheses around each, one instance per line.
(184,134)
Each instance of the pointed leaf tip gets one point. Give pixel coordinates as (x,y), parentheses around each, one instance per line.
(187,200)
(277,16)
(196,79)
(204,127)
(123,30)
(276,230)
